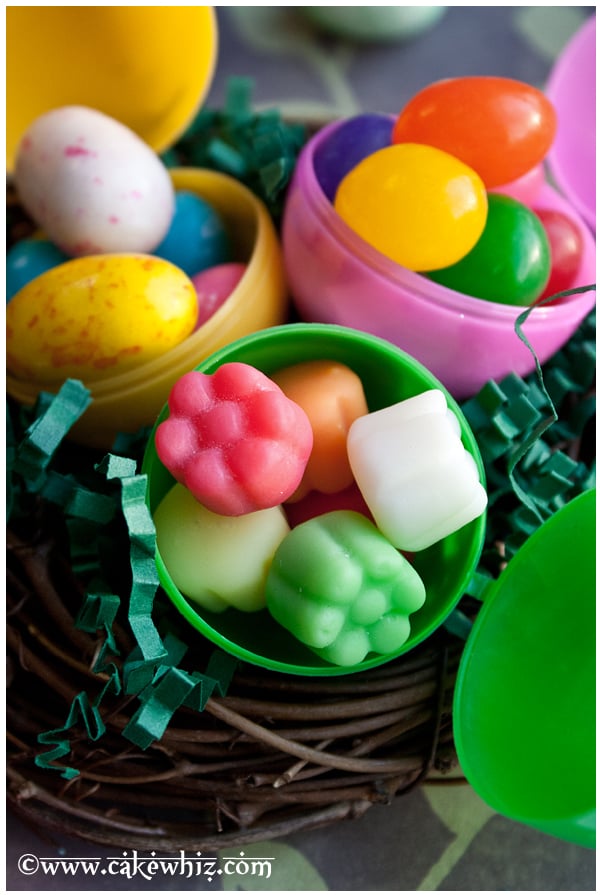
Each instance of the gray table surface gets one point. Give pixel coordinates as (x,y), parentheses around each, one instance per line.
(434,838)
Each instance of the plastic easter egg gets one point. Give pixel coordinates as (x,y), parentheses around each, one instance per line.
(510,263)
(27,259)
(566,250)
(147,66)
(524,707)
(214,286)
(91,184)
(415,204)
(98,316)
(572,89)
(498,126)
(347,146)
(196,238)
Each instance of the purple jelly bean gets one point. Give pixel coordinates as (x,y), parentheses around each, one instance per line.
(347,146)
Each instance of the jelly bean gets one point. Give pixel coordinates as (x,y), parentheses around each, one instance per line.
(510,263)
(417,478)
(234,439)
(332,396)
(498,126)
(338,585)
(217,561)
(27,259)
(214,286)
(92,184)
(316,503)
(415,204)
(197,237)
(566,250)
(348,145)
(97,316)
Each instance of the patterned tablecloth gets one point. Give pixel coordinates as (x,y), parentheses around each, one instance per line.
(435,838)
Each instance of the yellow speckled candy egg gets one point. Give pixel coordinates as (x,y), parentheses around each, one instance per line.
(94,317)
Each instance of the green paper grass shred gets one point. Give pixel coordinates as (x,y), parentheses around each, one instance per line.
(259,148)
(521,426)
(45,434)
(142,542)
(82,710)
(172,687)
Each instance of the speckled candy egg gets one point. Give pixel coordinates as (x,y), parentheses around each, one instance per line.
(27,259)
(197,238)
(94,317)
(92,184)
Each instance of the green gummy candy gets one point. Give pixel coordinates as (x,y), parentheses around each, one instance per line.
(341,588)
(349,648)
(390,630)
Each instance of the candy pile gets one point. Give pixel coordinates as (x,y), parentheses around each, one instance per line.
(449,189)
(127,266)
(290,494)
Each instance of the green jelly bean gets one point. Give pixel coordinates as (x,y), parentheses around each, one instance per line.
(509,264)
(341,588)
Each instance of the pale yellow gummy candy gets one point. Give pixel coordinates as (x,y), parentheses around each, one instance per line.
(217,561)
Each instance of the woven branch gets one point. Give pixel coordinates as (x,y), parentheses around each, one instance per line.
(277,755)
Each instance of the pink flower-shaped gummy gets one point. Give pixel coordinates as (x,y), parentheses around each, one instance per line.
(234,439)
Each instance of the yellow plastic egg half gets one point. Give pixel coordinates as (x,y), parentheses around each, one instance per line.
(417,205)
(94,317)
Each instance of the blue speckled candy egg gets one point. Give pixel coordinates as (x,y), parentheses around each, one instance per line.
(26,260)
(197,237)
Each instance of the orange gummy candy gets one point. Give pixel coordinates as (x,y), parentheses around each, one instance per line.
(332,396)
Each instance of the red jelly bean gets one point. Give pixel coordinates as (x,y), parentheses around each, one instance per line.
(234,439)
(566,250)
(499,127)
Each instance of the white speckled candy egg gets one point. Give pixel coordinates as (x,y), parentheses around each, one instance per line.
(95,317)
(92,184)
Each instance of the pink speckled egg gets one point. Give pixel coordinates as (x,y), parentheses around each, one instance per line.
(92,184)
(214,286)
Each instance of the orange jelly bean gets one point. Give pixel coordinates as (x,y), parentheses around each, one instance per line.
(332,396)
(498,126)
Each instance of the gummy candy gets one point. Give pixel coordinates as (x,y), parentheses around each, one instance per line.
(414,472)
(332,396)
(338,585)
(217,561)
(234,439)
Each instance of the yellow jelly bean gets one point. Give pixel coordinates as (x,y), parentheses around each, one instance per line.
(419,206)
